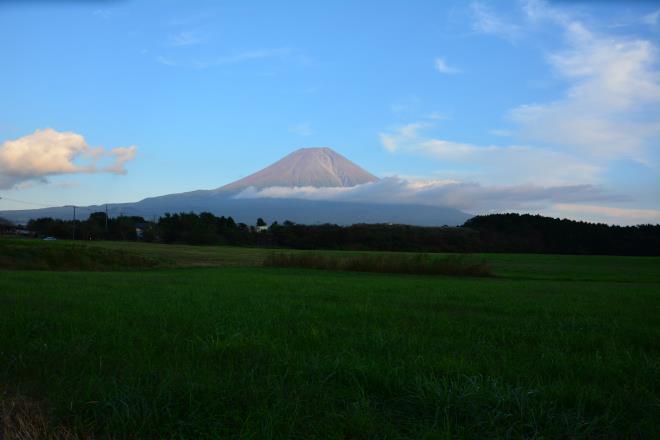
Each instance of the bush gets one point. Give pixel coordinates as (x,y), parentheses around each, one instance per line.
(37,255)
(422,264)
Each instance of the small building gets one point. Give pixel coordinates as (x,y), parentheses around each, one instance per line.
(140,229)
(262,228)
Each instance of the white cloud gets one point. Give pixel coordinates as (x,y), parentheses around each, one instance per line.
(512,164)
(486,21)
(237,58)
(610,111)
(402,136)
(608,214)
(165,61)
(611,108)
(442,67)
(467,196)
(515,163)
(49,152)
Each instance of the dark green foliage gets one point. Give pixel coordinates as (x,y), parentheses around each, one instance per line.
(38,255)
(5,225)
(535,233)
(491,233)
(94,228)
(204,228)
(421,264)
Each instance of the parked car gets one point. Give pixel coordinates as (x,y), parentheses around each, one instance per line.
(49,238)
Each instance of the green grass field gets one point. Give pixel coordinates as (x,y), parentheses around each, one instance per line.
(550,347)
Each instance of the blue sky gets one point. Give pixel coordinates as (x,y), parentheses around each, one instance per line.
(530,106)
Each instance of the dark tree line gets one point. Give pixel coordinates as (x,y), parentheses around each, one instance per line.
(489,233)
(538,234)
(204,228)
(96,227)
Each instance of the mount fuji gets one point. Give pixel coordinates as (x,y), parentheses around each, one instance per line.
(306,167)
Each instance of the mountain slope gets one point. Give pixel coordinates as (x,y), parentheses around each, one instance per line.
(318,167)
(271,209)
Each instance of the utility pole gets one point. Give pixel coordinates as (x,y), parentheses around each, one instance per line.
(74,219)
(106,221)
(74,222)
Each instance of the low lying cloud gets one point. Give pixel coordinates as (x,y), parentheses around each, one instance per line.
(608,214)
(466,196)
(49,152)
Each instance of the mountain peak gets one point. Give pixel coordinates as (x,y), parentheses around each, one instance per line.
(316,166)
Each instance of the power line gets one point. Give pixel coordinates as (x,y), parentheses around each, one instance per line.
(51,205)
(107,208)
(24,202)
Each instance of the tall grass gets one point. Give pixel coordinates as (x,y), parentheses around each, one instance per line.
(25,419)
(421,264)
(35,255)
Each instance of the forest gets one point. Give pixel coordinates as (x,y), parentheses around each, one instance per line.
(511,233)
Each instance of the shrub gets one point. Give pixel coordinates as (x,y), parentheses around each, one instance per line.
(423,264)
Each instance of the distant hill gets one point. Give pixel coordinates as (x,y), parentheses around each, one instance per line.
(315,167)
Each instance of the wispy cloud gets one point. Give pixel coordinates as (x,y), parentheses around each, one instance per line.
(652,18)
(442,67)
(486,21)
(49,152)
(250,55)
(186,38)
(401,136)
(609,111)
(165,61)
(510,163)
(237,58)
(611,108)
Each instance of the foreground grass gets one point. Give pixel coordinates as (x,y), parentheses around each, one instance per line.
(262,353)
